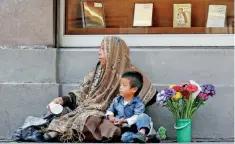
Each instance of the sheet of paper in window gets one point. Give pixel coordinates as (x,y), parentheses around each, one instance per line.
(216,16)
(143,14)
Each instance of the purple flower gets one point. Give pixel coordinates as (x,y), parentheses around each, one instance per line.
(161,97)
(208,89)
(164,95)
(203,96)
(169,92)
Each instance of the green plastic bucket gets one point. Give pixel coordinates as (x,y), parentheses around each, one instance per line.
(183,130)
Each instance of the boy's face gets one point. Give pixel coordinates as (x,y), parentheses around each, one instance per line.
(125,88)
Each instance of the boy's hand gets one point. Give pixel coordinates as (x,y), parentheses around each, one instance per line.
(112,118)
(119,122)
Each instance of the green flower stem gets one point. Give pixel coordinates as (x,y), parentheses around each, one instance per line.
(175,108)
(185,108)
(170,108)
(201,102)
(188,107)
(182,108)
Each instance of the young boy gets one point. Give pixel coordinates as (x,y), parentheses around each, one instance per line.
(127,110)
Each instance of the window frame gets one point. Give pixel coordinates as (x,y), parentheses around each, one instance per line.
(141,40)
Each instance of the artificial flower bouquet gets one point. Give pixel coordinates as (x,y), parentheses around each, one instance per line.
(185,99)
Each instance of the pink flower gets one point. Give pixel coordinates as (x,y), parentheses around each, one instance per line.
(203,96)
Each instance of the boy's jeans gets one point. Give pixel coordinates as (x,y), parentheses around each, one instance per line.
(143,121)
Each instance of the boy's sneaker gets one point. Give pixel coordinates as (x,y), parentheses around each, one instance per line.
(140,138)
(154,138)
(162,133)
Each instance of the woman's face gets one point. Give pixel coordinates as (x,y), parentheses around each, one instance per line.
(102,56)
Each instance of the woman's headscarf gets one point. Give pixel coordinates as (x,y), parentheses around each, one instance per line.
(117,63)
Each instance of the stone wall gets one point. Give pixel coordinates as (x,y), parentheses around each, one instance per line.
(32,73)
(27,68)
(165,66)
(26,22)
(31,78)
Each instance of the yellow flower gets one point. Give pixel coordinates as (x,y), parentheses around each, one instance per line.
(177,96)
(171,86)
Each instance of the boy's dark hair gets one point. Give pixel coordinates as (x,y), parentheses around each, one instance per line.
(136,80)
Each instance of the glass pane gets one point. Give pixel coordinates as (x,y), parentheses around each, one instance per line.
(89,17)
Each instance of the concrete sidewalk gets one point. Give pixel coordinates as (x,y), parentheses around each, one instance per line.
(170,141)
(163,142)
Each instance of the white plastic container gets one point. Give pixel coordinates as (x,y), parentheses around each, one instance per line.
(55,108)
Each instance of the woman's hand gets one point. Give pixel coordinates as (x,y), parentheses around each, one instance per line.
(57,100)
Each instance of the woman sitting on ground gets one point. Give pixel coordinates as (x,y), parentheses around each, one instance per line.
(91,100)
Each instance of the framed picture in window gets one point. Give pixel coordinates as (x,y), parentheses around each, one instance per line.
(93,14)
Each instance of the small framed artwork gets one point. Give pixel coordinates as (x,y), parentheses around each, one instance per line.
(143,13)
(93,14)
(182,15)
